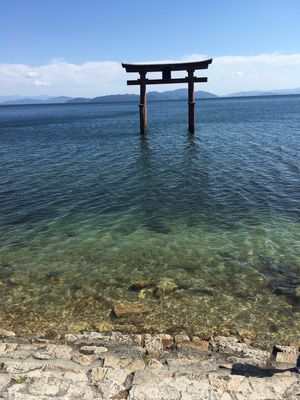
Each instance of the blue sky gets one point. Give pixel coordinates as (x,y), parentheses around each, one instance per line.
(65,33)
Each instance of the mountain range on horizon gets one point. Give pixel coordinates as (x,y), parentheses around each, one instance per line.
(177,94)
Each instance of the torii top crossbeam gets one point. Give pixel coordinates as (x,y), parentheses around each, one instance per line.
(166,70)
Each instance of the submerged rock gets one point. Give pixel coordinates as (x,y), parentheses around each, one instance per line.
(130,309)
(164,287)
(141,284)
(78,327)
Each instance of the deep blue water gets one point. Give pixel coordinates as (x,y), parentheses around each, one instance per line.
(88,206)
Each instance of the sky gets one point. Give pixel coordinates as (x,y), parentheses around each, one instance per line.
(75,47)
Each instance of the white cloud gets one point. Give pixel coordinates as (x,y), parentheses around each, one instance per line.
(41,83)
(31,74)
(225,75)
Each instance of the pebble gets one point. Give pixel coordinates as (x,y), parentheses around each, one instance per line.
(129,309)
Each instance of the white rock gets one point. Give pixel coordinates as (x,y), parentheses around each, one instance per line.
(181,338)
(98,373)
(4,381)
(5,333)
(63,352)
(135,365)
(80,390)
(153,363)
(153,344)
(151,376)
(93,349)
(111,361)
(111,390)
(116,375)
(45,386)
(2,348)
(70,337)
(83,359)
(42,355)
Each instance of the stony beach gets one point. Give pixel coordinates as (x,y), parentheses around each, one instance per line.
(94,366)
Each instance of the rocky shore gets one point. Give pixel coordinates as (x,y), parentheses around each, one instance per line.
(94,366)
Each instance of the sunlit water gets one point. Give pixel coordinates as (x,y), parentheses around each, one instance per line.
(88,206)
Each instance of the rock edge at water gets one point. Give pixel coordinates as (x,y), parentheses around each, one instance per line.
(95,365)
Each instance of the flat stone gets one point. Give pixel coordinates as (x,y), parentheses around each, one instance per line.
(44,386)
(18,355)
(153,344)
(4,381)
(181,339)
(285,354)
(5,333)
(98,373)
(83,359)
(93,349)
(116,375)
(153,363)
(110,390)
(152,376)
(227,344)
(158,392)
(63,352)
(94,336)
(80,390)
(70,337)
(201,344)
(20,367)
(129,309)
(167,340)
(136,339)
(11,347)
(2,348)
(198,346)
(42,355)
(130,339)
(111,361)
(135,365)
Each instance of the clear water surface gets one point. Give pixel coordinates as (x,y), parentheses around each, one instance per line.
(88,207)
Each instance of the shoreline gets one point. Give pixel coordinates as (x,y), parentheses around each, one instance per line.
(112,365)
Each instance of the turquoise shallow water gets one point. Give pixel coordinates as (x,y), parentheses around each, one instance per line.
(87,207)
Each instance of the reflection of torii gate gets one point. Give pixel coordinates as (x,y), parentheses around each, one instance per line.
(166,69)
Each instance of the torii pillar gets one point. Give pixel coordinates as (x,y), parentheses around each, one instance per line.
(166,70)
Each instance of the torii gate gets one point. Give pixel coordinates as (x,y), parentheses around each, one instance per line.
(166,70)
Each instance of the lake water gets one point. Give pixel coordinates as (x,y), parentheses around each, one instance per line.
(88,207)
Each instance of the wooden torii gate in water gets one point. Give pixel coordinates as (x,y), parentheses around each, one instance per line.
(166,70)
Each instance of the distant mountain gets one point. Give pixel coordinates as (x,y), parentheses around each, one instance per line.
(265,93)
(30,100)
(115,97)
(176,94)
